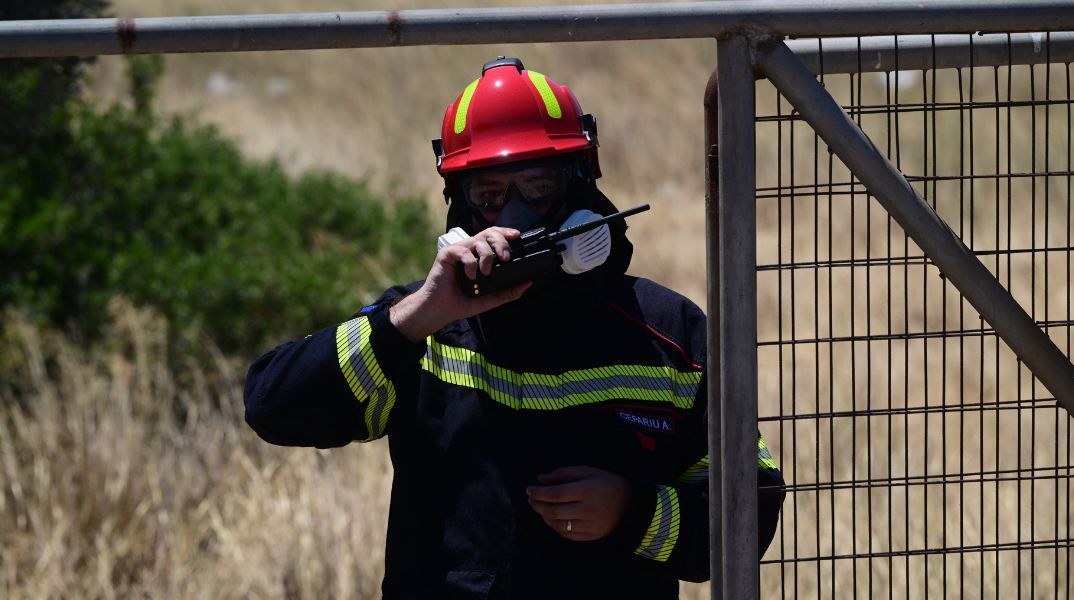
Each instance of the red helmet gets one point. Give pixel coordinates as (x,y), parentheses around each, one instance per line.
(511,114)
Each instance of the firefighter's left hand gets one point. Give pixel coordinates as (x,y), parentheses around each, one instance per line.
(592,500)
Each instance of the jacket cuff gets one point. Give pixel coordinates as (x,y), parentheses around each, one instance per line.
(396,354)
(637,517)
(650,527)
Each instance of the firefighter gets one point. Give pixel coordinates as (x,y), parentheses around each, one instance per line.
(548,440)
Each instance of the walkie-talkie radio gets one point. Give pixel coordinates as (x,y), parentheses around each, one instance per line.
(538,251)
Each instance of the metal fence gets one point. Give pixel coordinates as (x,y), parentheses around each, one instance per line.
(922,457)
(904,341)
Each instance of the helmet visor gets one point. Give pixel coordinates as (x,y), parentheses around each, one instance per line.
(533,182)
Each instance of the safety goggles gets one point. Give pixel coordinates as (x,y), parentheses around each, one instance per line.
(533,182)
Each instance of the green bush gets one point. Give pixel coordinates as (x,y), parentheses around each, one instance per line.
(170,214)
(35,94)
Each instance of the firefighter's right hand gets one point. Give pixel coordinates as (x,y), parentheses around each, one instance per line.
(440,300)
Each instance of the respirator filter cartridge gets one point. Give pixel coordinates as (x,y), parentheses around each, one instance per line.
(588,250)
(455,234)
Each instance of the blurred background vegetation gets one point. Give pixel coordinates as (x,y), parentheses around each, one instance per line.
(99,200)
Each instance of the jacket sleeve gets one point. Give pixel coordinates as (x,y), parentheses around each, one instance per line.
(351,381)
(668,523)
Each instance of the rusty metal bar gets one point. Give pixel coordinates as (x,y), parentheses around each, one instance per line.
(304,31)
(712,252)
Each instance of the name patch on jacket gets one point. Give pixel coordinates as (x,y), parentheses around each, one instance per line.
(651,422)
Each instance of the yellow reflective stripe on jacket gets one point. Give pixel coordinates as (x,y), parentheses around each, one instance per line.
(364,375)
(549,97)
(764,457)
(464,106)
(663,532)
(696,473)
(537,391)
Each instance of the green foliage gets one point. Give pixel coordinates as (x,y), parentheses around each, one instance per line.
(169,214)
(35,95)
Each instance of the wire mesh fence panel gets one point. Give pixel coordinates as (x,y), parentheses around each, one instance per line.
(921,457)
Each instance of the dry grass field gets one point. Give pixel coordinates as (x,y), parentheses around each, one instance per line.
(109,492)
(122,480)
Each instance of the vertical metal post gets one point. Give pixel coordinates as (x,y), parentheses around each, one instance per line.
(712,366)
(732,337)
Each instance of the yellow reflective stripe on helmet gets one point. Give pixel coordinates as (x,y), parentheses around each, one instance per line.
(764,457)
(364,376)
(696,473)
(545,90)
(540,391)
(464,107)
(663,533)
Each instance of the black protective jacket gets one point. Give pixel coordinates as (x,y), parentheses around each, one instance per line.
(605,372)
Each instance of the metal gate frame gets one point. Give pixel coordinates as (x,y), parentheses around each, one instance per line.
(731,211)
(749,38)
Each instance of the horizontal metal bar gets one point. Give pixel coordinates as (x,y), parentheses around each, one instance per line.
(988,407)
(886,337)
(899,261)
(569,23)
(990,176)
(917,52)
(958,264)
(906,481)
(852,190)
(892,261)
(911,108)
(847,188)
(1030,545)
